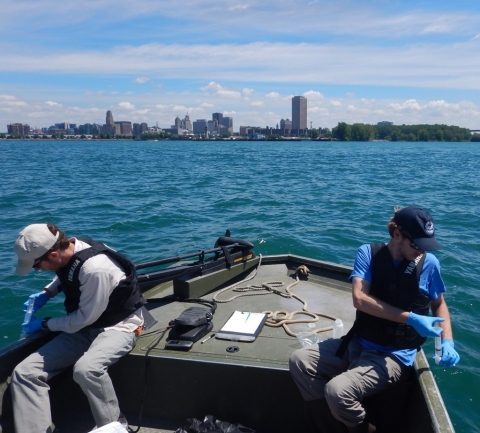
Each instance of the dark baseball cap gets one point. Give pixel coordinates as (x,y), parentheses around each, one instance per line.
(418,223)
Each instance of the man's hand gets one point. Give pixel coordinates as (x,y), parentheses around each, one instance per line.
(449,354)
(424,324)
(41,299)
(34,325)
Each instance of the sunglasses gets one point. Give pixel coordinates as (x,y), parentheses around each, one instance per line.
(36,263)
(411,243)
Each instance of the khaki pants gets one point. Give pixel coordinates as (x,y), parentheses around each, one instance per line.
(344,382)
(91,351)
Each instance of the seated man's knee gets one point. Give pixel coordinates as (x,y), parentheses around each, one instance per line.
(80,371)
(334,391)
(296,362)
(25,372)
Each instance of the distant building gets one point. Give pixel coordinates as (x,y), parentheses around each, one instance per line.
(139,128)
(155,129)
(89,129)
(57,131)
(125,127)
(299,114)
(181,126)
(18,129)
(110,127)
(187,123)
(225,124)
(285,126)
(384,123)
(200,126)
(228,124)
(246,130)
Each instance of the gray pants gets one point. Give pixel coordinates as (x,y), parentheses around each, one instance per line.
(91,351)
(344,382)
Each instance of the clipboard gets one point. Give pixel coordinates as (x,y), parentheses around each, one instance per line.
(242,326)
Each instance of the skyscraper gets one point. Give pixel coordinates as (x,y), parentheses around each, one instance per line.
(110,127)
(299,113)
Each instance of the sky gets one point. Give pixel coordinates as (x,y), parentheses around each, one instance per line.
(356,61)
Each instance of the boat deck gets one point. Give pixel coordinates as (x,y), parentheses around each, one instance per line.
(233,386)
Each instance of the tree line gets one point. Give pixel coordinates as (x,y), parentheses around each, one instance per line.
(366,132)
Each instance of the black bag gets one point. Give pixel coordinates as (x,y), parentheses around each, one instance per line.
(194,322)
(212,425)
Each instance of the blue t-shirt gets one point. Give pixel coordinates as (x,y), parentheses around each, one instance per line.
(431,284)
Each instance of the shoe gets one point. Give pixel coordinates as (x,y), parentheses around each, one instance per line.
(364,427)
(122,420)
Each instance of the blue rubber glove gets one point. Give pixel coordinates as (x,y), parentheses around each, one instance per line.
(34,325)
(41,299)
(449,354)
(424,324)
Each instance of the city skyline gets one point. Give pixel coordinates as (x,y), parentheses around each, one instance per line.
(407,62)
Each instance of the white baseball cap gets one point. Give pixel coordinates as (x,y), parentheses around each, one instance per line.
(32,243)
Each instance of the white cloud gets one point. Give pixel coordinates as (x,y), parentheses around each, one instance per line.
(218,90)
(126,105)
(141,80)
(8,102)
(241,7)
(51,103)
(410,105)
(313,95)
(273,95)
(212,86)
(257,104)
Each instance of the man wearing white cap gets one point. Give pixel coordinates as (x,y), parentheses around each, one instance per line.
(394,286)
(103,303)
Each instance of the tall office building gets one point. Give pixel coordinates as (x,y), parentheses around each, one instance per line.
(110,127)
(299,113)
(225,124)
(125,127)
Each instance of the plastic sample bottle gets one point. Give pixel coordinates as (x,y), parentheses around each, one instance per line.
(28,314)
(338,328)
(438,345)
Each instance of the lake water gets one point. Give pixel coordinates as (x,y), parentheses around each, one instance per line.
(152,200)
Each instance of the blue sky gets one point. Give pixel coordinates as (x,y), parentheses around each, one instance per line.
(148,61)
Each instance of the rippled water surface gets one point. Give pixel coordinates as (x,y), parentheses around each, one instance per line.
(155,199)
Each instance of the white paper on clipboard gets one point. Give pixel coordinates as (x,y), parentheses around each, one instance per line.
(242,326)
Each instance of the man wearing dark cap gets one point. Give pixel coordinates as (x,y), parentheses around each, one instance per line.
(394,286)
(104,306)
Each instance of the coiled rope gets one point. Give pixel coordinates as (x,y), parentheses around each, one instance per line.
(281,317)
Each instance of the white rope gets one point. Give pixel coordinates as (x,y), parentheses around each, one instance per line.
(281,317)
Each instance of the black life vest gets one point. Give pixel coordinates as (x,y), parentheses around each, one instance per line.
(125,299)
(398,287)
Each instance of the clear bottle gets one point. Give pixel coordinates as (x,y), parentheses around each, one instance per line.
(28,314)
(338,328)
(438,345)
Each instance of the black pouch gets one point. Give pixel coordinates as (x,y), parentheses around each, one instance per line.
(193,323)
(194,316)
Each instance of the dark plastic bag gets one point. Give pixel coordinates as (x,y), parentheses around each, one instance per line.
(212,425)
